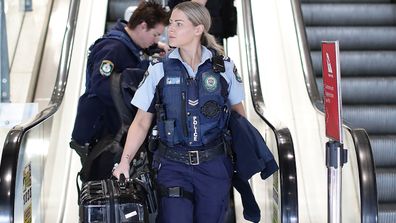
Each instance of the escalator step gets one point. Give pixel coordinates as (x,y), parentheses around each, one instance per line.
(116,9)
(354,38)
(377,119)
(386,181)
(366,31)
(384,149)
(366,90)
(349,14)
(360,63)
(386,213)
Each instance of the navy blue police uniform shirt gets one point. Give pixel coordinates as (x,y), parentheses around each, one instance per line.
(96,114)
(144,96)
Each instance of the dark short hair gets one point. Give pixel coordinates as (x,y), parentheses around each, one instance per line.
(150,12)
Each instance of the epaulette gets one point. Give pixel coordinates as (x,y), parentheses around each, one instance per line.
(155,60)
(226,58)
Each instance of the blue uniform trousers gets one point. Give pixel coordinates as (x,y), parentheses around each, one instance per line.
(210,182)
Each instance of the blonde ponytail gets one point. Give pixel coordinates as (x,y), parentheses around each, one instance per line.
(209,41)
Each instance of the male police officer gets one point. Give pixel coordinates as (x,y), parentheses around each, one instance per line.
(117,50)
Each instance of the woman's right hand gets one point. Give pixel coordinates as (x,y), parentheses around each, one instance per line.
(122,168)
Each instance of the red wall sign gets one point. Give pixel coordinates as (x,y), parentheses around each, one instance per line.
(332,91)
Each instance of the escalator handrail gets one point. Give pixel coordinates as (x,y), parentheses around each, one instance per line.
(305,56)
(15,137)
(287,162)
(368,184)
(367,179)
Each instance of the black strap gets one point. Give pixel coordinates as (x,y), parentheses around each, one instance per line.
(218,64)
(122,110)
(110,189)
(175,192)
(108,143)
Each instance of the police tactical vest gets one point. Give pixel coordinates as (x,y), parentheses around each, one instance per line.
(194,111)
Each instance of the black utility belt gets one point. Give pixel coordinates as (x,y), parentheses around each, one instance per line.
(191,157)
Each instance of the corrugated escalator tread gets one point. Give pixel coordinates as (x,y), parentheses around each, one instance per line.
(366,31)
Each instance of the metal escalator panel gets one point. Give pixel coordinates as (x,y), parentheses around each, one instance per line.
(347,14)
(388,212)
(386,181)
(361,63)
(354,90)
(366,30)
(378,119)
(116,10)
(354,38)
(385,147)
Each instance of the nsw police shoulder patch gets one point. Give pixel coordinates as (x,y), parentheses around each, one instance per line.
(237,76)
(106,67)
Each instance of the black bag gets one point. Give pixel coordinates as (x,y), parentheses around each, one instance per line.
(108,149)
(113,201)
(230,17)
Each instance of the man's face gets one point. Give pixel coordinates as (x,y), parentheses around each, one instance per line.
(150,36)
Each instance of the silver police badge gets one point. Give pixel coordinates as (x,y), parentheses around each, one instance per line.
(106,68)
(210,83)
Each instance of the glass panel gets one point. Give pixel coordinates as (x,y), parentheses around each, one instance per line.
(30,171)
(14,12)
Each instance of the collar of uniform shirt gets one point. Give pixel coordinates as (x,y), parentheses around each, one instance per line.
(206,55)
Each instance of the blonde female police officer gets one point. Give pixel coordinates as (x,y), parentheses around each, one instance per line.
(191,91)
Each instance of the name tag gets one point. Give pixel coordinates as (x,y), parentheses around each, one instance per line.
(173,80)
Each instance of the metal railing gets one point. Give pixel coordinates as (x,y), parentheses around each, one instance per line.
(287,163)
(12,145)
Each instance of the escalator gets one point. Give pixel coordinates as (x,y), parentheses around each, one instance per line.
(38,168)
(36,153)
(366,30)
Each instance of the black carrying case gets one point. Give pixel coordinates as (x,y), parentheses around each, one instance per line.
(113,201)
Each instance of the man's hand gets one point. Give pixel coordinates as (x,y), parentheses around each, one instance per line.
(164,46)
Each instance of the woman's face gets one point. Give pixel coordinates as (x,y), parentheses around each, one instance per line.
(181,31)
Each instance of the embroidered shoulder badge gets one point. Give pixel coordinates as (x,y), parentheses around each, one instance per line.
(154,61)
(106,68)
(237,76)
